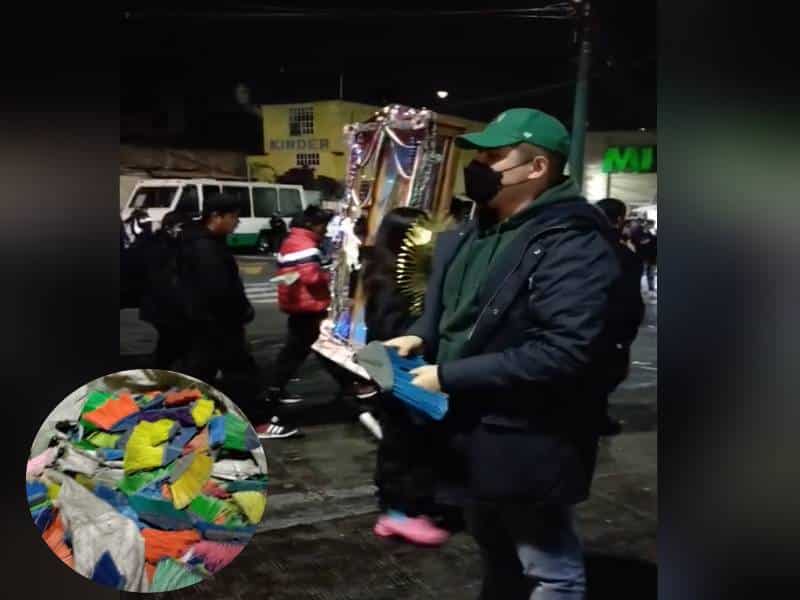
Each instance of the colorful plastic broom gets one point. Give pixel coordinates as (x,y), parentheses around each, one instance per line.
(181,397)
(130,484)
(216,555)
(162,544)
(208,509)
(154,509)
(172,575)
(142,450)
(252,504)
(189,477)
(95,400)
(239,435)
(112,412)
(202,410)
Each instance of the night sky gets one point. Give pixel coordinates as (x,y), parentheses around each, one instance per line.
(487,62)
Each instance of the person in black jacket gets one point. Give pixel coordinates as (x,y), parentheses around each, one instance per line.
(514,325)
(217,311)
(136,240)
(277,233)
(162,302)
(404,473)
(628,309)
(646,244)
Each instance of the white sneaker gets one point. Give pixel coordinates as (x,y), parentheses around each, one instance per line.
(368,421)
(290,399)
(274,430)
(274,395)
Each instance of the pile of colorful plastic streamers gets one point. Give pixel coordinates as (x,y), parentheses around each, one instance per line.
(149,492)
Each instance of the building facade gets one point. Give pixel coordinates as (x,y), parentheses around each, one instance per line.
(623,165)
(312,134)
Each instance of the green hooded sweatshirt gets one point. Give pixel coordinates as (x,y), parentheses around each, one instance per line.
(471,266)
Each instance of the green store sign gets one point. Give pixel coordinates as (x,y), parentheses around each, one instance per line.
(630,159)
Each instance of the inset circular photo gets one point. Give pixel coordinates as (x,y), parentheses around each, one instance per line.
(147,481)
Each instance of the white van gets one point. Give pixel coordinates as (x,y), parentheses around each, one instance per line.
(259,202)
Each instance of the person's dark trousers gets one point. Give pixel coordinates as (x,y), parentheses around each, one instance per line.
(610,426)
(405,468)
(302,332)
(528,552)
(650,271)
(342,376)
(173,344)
(225,350)
(277,239)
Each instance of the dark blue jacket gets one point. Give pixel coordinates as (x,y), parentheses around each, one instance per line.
(527,395)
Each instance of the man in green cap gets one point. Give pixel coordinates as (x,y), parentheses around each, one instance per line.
(515,328)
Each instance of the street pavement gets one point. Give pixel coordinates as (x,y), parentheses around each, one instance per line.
(262,293)
(316,540)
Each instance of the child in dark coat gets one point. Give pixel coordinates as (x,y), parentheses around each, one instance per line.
(405,466)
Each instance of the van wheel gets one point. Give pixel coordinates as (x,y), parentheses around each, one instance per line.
(263,246)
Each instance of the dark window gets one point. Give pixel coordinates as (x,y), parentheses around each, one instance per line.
(189,202)
(291,205)
(153,197)
(210,192)
(242,195)
(308,159)
(265,201)
(301,120)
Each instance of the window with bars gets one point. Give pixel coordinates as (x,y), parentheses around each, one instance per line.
(308,159)
(301,120)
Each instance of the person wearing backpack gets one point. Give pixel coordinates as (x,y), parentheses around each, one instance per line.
(646,246)
(136,241)
(277,233)
(162,302)
(212,311)
(515,322)
(627,309)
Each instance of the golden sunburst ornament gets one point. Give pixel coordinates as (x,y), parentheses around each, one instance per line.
(415,259)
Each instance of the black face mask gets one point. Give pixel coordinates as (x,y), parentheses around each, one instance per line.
(482,183)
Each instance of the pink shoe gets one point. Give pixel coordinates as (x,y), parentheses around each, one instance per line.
(419,530)
(381,529)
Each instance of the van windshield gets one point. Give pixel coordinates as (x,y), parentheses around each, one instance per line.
(153,197)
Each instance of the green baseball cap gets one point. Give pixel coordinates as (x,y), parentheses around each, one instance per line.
(517,125)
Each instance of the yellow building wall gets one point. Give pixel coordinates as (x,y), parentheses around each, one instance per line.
(330,118)
(464,156)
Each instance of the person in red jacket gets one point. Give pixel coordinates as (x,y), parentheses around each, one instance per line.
(306,301)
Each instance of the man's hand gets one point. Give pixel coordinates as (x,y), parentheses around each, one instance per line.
(427,378)
(406,345)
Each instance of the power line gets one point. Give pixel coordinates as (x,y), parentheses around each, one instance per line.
(560,11)
(539,90)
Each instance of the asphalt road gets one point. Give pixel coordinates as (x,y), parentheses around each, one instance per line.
(316,542)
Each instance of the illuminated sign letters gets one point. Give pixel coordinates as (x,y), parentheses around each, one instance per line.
(630,159)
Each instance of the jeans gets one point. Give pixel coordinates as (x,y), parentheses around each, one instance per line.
(528,552)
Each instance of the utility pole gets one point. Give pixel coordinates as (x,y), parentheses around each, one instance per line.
(579,113)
